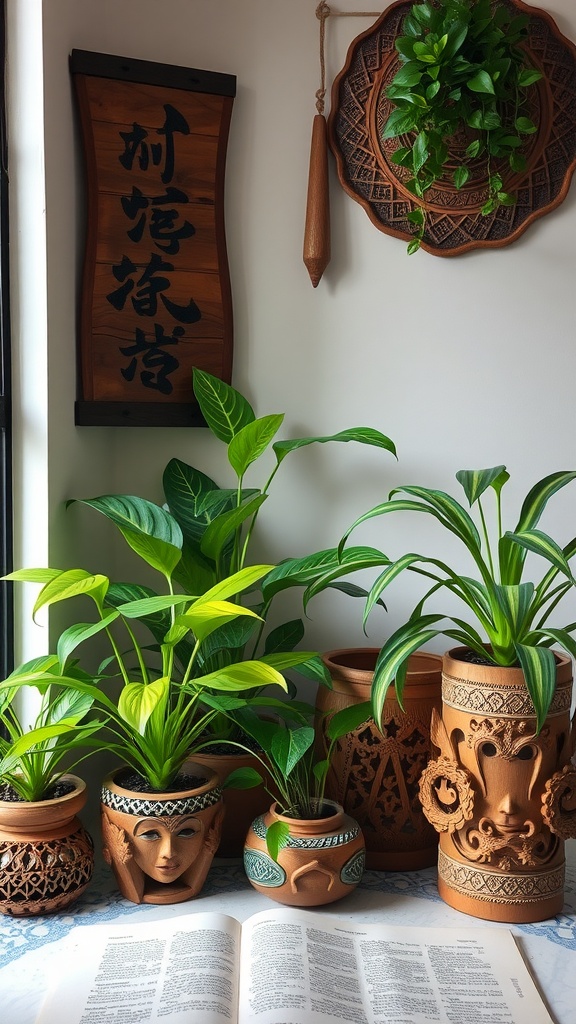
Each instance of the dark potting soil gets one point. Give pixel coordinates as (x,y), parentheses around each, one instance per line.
(473,658)
(60,788)
(129,779)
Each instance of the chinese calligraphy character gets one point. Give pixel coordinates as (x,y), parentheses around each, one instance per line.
(161,226)
(136,148)
(157,363)
(148,287)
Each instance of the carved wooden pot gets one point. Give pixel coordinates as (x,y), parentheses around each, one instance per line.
(46,855)
(375,774)
(502,798)
(322,861)
(161,845)
(242,805)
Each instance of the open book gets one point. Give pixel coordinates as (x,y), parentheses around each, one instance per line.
(287,966)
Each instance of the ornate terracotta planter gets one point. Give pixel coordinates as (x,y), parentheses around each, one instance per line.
(242,805)
(375,775)
(322,861)
(502,798)
(46,855)
(161,845)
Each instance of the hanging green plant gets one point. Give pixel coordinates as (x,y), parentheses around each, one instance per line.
(464,74)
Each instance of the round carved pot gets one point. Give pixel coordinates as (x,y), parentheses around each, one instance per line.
(375,773)
(322,861)
(502,797)
(161,845)
(242,805)
(46,855)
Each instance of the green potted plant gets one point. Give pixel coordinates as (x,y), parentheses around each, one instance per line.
(461,100)
(305,851)
(159,720)
(46,855)
(497,793)
(217,526)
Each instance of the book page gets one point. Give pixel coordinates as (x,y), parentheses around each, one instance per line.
(181,971)
(304,968)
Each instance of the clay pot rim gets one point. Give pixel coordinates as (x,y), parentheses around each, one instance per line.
(56,801)
(514,672)
(328,820)
(415,676)
(191,766)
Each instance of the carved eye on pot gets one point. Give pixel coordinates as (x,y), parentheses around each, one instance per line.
(489,750)
(526,753)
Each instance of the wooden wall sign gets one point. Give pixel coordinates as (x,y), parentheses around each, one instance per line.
(156,298)
(368,173)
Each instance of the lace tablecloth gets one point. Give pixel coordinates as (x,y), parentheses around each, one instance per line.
(29,948)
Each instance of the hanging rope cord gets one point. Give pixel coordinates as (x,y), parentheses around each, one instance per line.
(323,11)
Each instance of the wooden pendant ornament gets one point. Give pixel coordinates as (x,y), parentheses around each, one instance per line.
(317,229)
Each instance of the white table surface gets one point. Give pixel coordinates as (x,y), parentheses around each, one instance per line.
(29,948)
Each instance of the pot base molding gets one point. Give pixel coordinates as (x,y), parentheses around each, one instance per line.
(501,896)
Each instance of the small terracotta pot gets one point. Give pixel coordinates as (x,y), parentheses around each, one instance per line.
(161,845)
(322,861)
(46,855)
(501,796)
(375,773)
(242,805)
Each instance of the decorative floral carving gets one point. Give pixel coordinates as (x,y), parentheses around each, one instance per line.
(447,794)
(559,803)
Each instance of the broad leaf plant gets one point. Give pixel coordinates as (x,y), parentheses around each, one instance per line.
(508,622)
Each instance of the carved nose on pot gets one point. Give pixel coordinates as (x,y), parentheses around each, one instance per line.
(167,852)
(510,811)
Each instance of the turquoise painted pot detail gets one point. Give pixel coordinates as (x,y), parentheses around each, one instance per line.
(260,868)
(353,869)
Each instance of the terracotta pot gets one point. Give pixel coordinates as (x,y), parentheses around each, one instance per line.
(501,797)
(161,845)
(375,774)
(242,805)
(46,855)
(322,861)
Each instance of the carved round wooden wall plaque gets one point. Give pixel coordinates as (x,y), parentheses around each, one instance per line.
(454,223)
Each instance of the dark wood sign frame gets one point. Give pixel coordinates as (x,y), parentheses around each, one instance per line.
(156,298)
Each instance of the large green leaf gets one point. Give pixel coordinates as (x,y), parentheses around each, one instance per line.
(539,667)
(148,529)
(33,575)
(70,706)
(138,700)
(394,654)
(476,481)
(241,676)
(220,529)
(289,745)
(296,572)
(72,583)
(348,719)
(450,512)
(250,442)
(512,556)
(542,544)
(284,637)
(364,435)
(195,573)
(515,603)
(72,637)
(185,489)
(206,616)
(239,581)
(225,410)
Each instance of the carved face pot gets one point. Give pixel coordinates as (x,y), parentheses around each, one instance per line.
(502,797)
(161,845)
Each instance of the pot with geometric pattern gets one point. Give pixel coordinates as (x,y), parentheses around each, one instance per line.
(161,845)
(322,861)
(375,772)
(46,855)
(501,795)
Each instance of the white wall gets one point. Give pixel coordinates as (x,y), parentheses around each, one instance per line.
(465,362)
